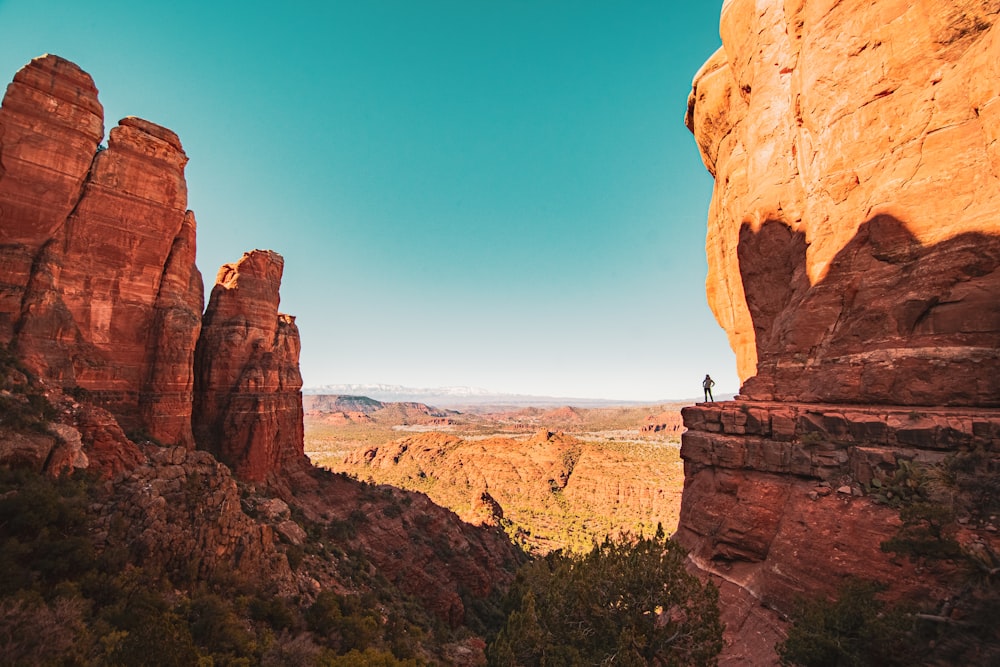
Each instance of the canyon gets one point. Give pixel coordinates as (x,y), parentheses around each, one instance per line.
(854,262)
(553,479)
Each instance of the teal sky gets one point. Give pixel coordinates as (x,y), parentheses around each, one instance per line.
(487,193)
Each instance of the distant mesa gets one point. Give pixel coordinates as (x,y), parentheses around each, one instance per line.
(342,410)
(665,422)
(463,397)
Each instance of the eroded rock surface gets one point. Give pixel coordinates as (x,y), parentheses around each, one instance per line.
(456,570)
(248,394)
(180,510)
(99,288)
(41,172)
(853,228)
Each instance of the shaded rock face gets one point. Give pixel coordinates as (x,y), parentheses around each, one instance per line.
(892,321)
(860,128)
(180,511)
(248,390)
(775,506)
(455,569)
(99,286)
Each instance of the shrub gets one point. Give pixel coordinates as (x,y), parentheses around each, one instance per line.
(367,658)
(927,532)
(857,631)
(623,603)
(342,621)
(975,473)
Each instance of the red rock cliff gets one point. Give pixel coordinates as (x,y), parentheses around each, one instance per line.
(854,261)
(248,390)
(853,239)
(50,126)
(99,287)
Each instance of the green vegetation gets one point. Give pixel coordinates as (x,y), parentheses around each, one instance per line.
(936,503)
(624,603)
(910,482)
(23,406)
(63,603)
(857,630)
(932,498)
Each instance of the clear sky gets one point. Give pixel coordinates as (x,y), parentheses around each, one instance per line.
(488,193)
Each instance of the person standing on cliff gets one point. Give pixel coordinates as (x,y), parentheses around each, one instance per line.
(707,385)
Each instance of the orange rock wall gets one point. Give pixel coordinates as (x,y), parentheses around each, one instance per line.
(858,127)
(854,260)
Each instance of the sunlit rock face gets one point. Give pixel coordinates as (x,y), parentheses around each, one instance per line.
(98,284)
(854,233)
(854,261)
(248,389)
(50,126)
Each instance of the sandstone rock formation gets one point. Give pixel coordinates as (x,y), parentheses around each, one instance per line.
(180,511)
(41,172)
(99,289)
(854,261)
(456,570)
(248,390)
(853,240)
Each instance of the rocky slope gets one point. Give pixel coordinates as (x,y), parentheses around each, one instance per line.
(854,261)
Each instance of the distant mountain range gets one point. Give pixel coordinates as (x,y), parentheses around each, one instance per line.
(462,396)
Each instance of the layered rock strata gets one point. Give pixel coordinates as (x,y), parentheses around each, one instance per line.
(50,126)
(854,261)
(248,390)
(99,288)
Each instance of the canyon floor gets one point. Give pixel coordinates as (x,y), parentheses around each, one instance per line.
(552,478)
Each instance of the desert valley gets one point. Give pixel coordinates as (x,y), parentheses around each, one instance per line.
(169,496)
(553,478)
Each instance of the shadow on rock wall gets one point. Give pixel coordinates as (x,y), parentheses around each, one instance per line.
(893,321)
